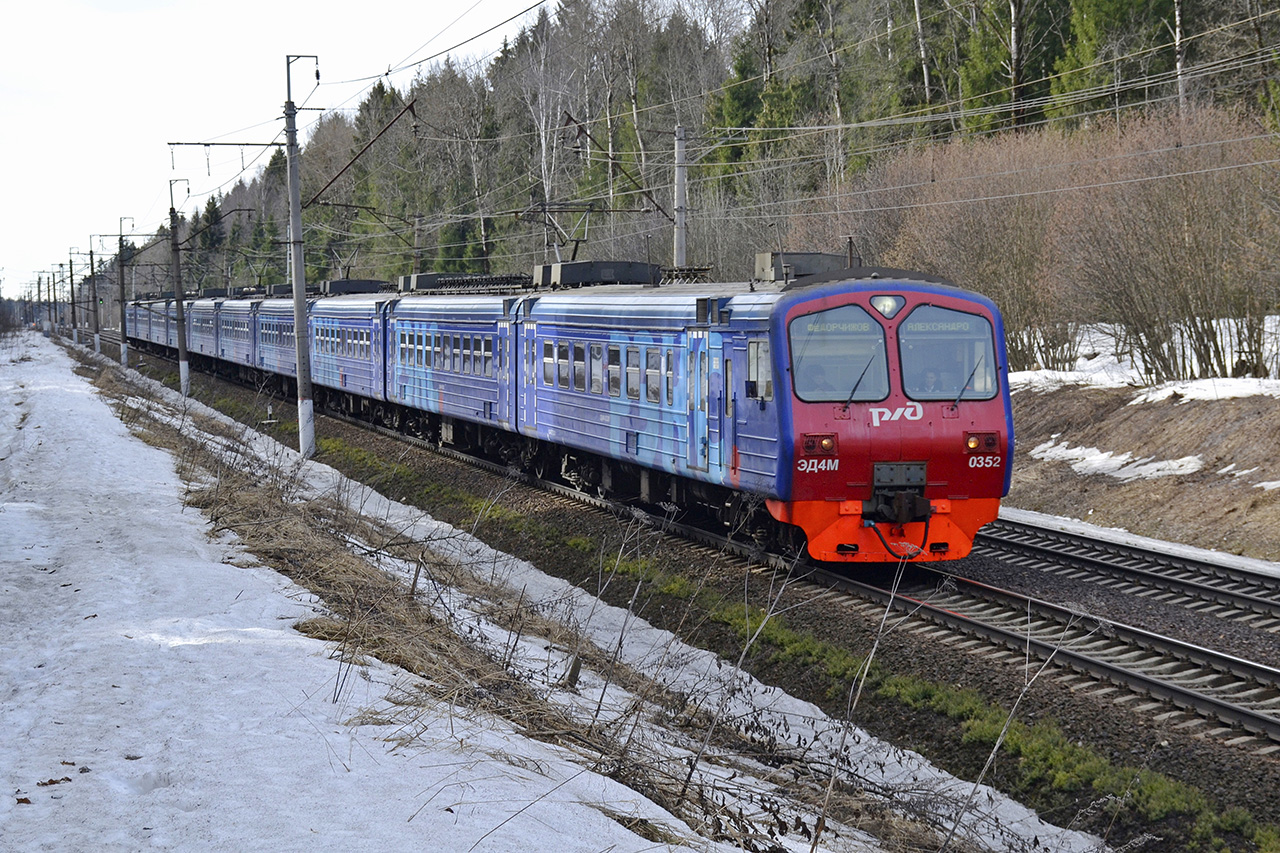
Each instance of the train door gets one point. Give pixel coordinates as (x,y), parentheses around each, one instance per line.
(503,371)
(733,354)
(698,377)
(526,391)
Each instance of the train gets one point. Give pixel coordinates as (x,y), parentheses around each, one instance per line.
(858,415)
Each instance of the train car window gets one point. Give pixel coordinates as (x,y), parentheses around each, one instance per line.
(562,364)
(457,354)
(947,355)
(669,368)
(488,355)
(838,356)
(759,370)
(579,367)
(633,373)
(653,374)
(596,369)
(615,372)
(548,363)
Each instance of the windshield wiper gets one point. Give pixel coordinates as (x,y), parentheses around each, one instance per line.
(849,401)
(972,373)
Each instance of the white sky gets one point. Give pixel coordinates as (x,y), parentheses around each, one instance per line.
(153,676)
(91,93)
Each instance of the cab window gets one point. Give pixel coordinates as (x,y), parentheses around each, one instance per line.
(947,355)
(838,356)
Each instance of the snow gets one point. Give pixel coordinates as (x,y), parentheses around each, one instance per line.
(1208,389)
(1122,466)
(153,694)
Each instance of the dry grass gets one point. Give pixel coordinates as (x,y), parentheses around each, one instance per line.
(367,613)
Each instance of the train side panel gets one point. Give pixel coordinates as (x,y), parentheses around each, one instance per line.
(237,331)
(610,375)
(202,337)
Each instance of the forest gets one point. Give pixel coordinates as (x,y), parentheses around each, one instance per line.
(1082,162)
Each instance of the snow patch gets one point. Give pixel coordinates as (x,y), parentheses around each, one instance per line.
(1122,466)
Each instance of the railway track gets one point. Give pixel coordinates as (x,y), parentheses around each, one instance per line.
(1176,683)
(1196,584)
(1189,686)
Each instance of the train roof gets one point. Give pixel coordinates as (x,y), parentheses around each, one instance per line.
(613,304)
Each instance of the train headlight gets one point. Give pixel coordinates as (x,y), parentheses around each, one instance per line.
(888,305)
(973,442)
(819,444)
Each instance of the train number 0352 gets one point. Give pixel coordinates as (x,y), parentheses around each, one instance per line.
(984,461)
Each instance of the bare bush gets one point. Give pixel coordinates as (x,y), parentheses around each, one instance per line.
(1170,239)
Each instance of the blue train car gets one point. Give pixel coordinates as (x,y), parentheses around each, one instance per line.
(348,345)
(202,327)
(277,348)
(451,356)
(237,325)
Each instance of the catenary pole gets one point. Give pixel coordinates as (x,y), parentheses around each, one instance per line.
(124,342)
(301,334)
(175,260)
(681,201)
(93,298)
(71,295)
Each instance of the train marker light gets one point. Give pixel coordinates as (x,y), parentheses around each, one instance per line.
(986,442)
(820,443)
(888,305)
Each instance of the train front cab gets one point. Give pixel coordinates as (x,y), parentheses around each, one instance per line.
(900,418)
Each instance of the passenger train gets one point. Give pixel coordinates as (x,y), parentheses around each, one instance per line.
(863,415)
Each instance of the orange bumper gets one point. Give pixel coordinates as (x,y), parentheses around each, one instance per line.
(836,532)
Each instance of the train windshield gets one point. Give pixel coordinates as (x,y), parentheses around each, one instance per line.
(838,356)
(947,355)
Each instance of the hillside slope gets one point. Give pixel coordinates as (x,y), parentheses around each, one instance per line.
(1174,464)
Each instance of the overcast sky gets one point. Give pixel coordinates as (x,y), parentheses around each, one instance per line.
(93,92)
